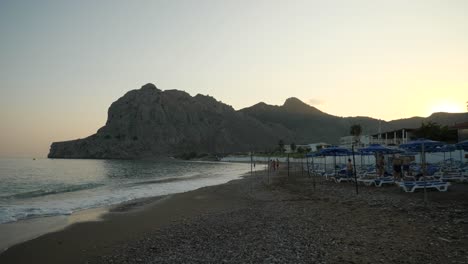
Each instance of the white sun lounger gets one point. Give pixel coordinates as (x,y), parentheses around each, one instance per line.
(384,180)
(452,176)
(411,186)
(366,181)
(342,178)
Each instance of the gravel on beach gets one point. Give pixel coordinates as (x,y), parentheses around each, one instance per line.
(287,221)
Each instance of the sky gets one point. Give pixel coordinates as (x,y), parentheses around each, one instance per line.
(62,63)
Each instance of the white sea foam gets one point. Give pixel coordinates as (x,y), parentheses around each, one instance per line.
(61,187)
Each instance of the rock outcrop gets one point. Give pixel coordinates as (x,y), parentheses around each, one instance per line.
(149,122)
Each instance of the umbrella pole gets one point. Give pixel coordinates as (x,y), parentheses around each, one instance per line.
(302,166)
(313,169)
(423,157)
(334,164)
(361,164)
(251,164)
(325,164)
(268,170)
(355,177)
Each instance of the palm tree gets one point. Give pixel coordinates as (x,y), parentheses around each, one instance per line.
(281,145)
(356,131)
(293,147)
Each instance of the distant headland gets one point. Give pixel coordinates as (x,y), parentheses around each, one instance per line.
(149,122)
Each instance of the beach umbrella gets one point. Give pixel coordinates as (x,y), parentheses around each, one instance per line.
(334,152)
(374,149)
(313,155)
(462,146)
(423,145)
(377,148)
(446,148)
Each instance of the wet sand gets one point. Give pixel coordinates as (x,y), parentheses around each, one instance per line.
(21,231)
(250,220)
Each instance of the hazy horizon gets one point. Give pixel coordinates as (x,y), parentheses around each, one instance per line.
(62,63)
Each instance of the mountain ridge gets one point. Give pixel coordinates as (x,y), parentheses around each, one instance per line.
(149,122)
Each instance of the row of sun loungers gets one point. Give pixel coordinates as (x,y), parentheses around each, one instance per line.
(452,176)
(411,186)
(439,182)
(407,186)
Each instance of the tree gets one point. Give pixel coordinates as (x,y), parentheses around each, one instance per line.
(281,145)
(293,147)
(434,131)
(356,131)
(300,150)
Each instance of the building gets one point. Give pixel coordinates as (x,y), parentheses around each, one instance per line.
(393,138)
(347,141)
(315,146)
(388,138)
(462,131)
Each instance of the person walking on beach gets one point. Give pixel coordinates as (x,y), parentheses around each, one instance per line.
(273,165)
(406,167)
(277,163)
(396,167)
(349,169)
(380,165)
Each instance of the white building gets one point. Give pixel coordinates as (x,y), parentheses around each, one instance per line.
(315,146)
(393,138)
(363,141)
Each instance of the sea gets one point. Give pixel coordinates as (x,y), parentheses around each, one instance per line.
(31,188)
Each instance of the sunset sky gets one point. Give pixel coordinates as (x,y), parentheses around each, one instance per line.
(62,63)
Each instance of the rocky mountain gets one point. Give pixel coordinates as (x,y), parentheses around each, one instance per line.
(149,122)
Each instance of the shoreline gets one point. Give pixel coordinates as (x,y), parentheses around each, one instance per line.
(24,230)
(248,220)
(107,229)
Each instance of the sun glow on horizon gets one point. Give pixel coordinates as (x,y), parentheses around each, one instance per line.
(447,107)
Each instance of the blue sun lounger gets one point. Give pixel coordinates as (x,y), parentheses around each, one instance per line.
(411,186)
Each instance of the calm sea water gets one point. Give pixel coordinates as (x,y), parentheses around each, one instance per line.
(44,187)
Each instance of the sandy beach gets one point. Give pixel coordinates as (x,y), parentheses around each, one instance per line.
(253,221)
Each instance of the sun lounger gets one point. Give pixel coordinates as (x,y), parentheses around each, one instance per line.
(342,178)
(452,176)
(366,181)
(383,180)
(411,186)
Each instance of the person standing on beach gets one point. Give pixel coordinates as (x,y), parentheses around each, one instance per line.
(349,169)
(277,163)
(273,164)
(396,167)
(380,165)
(406,167)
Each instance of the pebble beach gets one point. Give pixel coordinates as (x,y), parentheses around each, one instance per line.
(260,219)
